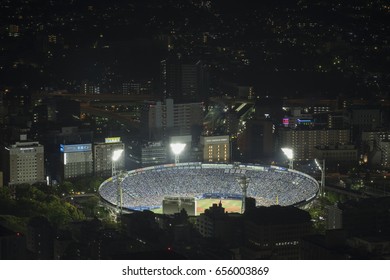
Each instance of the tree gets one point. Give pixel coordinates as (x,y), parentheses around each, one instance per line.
(91,206)
(65,188)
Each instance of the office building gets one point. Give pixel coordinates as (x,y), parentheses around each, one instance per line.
(162,119)
(365,117)
(275,232)
(369,216)
(39,238)
(102,154)
(304,141)
(184,81)
(346,154)
(257,140)
(88,87)
(384,148)
(56,110)
(140,87)
(76,161)
(26,163)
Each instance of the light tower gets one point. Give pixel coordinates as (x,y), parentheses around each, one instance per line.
(116,154)
(322,169)
(177,149)
(289,153)
(244,182)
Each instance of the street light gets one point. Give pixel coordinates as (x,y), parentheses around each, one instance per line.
(177,149)
(290,155)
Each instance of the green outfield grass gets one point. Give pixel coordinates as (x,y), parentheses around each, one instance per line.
(230,205)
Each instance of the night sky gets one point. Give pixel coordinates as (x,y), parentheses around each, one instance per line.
(283,48)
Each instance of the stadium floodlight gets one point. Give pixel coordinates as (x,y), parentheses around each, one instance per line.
(177,149)
(289,153)
(322,169)
(244,182)
(116,154)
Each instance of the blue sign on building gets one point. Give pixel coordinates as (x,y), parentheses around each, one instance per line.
(75,148)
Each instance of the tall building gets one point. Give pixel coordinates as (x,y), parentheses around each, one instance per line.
(365,117)
(258,139)
(87,87)
(223,226)
(163,119)
(39,238)
(185,81)
(76,161)
(275,232)
(17,104)
(147,154)
(103,156)
(26,163)
(13,30)
(346,154)
(375,147)
(153,153)
(58,110)
(384,147)
(372,138)
(216,148)
(369,216)
(141,87)
(304,141)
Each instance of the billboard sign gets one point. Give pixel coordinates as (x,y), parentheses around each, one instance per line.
(112,140)
(75,148)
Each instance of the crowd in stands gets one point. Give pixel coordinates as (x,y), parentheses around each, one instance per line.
(147,188)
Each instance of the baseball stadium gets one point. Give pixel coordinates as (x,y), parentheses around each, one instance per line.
(146,188)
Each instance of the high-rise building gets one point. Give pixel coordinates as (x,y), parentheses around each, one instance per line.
(26,163)
(185,81)
(346,154)
(372,138)
(304,141)
(76,161)
(369,216)
(39,238)
(87,87)
(258,139)
(163,119)
(153,153)
(57,110)
(17,104)
(215,148)
(223,226)
(365,117)
(384,147)
(141,87)
(275,232)
(103,156)
(13,30)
